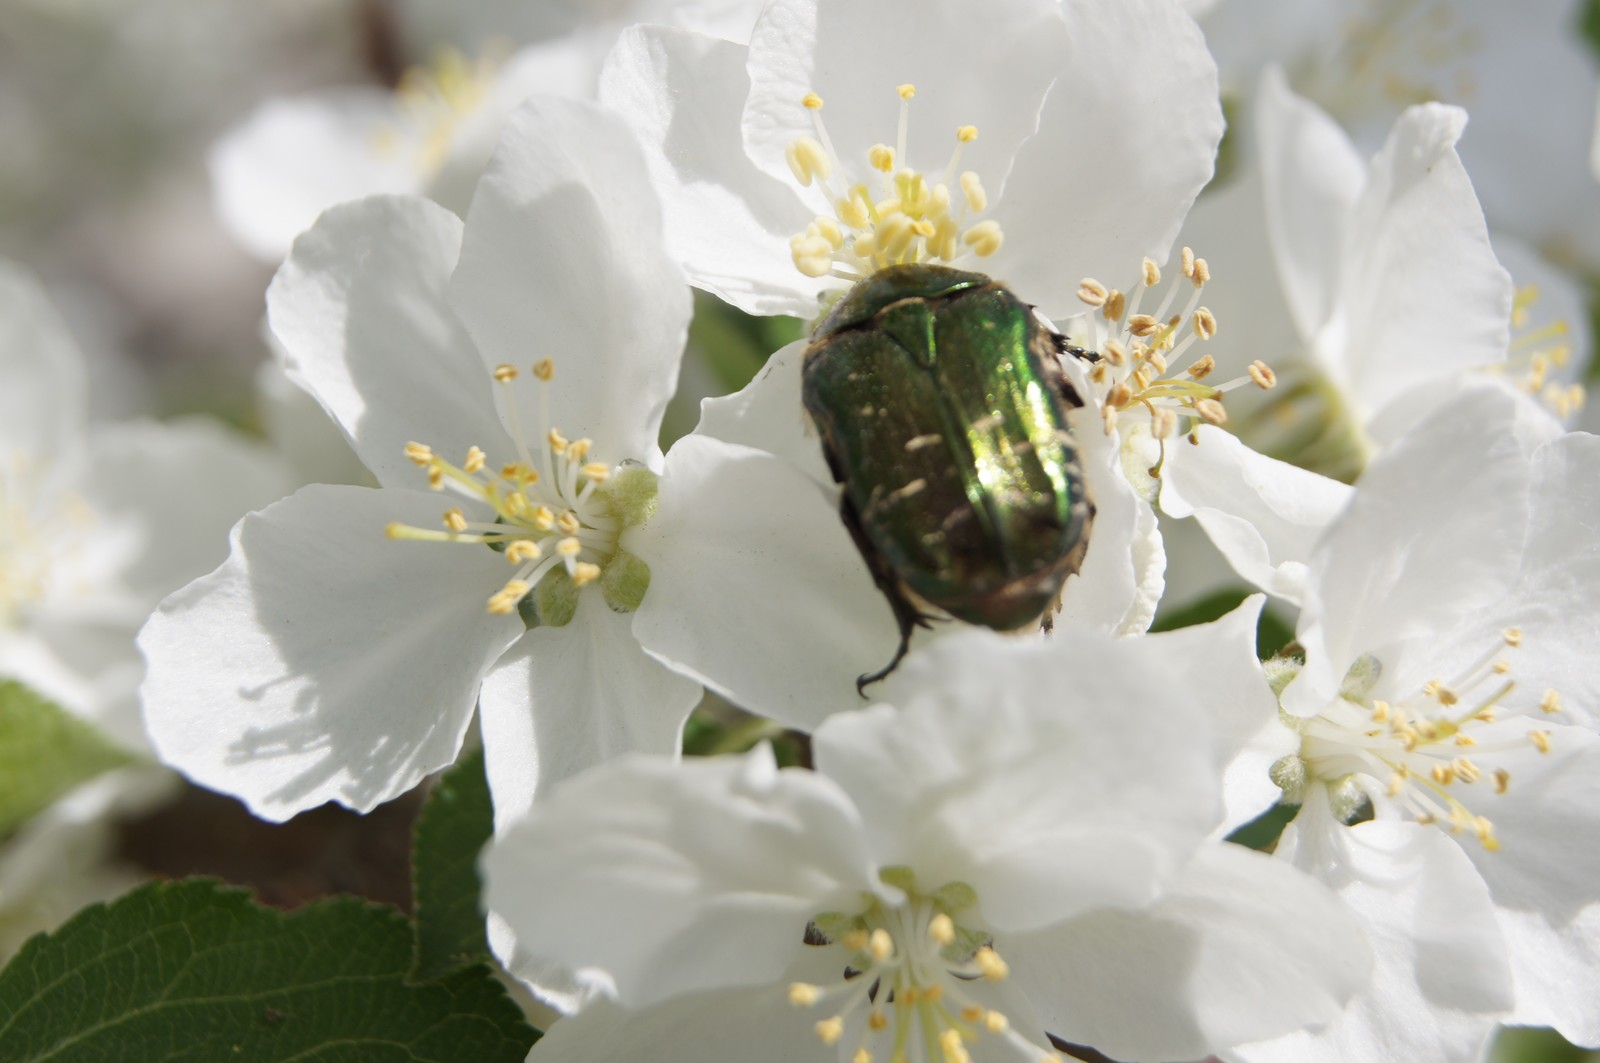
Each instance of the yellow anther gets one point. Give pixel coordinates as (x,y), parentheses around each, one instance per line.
(517,503)
(568,523)
(1092,292)
(1466,770)
(506,598)
(578,449)
(923,228)
(1445,695)
(1380,711)
(1443,774)
(1186,261)
(1551,702)
(1485,833)
(830,1030)
(1262,376)
(803,994)
(984,238)
(1142,325)
(951,1048)
(597,471)
(435,477)
(880,946)
(942,929)
(852,210)
(1115,353)
(1202,368)
(557,441)
(906,91)
(1152,273)
(877,1021)
(505,372)
(1116,304)
(995,1022)
(1163,423)
(420,453)
(1205,323)
(972,1013)
(1202,273)
(1540,740)
(808,160)
(569,547)
(861,1056)
(523,550)
(829,230)
(1211,411)
(394,530)
(544,518)
(1512,635)
(881,156)
(1464,739)
(811,101)
(895,235)
(1502,780)
(966,134)
(475,460)
(584,573)
(990,965)
(544,369)
(1397,783)
(972,189)
(455,520)
(855,940)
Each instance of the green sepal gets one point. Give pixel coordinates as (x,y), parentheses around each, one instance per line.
(555,599)
(624,582)
(633,492)
(899,876)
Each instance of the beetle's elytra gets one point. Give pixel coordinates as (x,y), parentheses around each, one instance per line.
(942,409)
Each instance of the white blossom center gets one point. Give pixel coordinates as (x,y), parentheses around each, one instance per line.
(1428,754)
(40,533)
(906,970)
(434,101)
(891,213)
(558,512)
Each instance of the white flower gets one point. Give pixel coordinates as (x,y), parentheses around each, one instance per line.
(433,134)
(1369,286)
(1524,71)
(844,138)
(1445,764)
(520,365)
(1018,849)
(98,522)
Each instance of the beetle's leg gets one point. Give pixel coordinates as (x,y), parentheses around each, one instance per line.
(908,616)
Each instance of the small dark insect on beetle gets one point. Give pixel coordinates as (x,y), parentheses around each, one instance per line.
(943,414)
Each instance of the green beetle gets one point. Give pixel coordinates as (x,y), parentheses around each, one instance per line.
(942,407)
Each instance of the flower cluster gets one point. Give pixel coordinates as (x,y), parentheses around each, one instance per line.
(1040,799)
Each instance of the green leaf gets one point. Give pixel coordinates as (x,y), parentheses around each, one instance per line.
(1272,634)
(454,826)
(44,752)
(193,972)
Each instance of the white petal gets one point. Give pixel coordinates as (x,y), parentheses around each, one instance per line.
(1545,877)
(756,588)
(1311,178)
(1220,658)
(1422,548)
(295,157)
(1240,947)
(564,699)
(1083,199)
(1439,980)
(683,95)
(1123,570)
(1265,515)
(1083,780)
(1553,599)
(767,414)
(563,258)
(323,661)
(181,486)
(666,878)
(44,400)
(360,310)
(1422,292)
(855,56)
